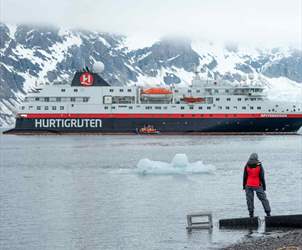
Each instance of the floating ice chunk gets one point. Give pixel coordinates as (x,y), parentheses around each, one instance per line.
(179,165)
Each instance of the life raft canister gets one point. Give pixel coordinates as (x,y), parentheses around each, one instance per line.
(253,176)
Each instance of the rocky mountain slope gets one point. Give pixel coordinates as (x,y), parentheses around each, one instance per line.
(37,55)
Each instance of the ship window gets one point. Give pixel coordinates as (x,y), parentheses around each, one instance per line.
(165,107)
(130,107)
(106,107)
(239,99)
(113,107)
(226,91)
(176,90)
(208,107)
(23,107)
(197,91)
(63,90)
(182,107)
(46,99)
(227,107)
(61,107)
(216,91)
(54,108)
(110,90)
(217,99)
(58,99)
(52,99)
(191,107)
(121,90)
(243,107)
(219,107)
(46,107)
(30,107)
(85,99)
(258,107)
(157,107)
(148,107)
(72,99)
(189,90)
(200,107)
(228,99)
(38,107)
(129,90)
(75,90)
(37,99)
(251,107)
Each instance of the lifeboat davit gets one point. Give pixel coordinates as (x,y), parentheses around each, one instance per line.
(156,93)
(193,99)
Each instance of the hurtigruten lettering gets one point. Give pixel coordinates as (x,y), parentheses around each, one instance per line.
(68,123)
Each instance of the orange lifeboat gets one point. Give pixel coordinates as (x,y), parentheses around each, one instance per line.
(156,91)
(193,99)
(156,94)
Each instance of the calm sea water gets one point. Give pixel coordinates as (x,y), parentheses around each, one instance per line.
(83,192)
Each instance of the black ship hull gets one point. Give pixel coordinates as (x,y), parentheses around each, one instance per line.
(164,125)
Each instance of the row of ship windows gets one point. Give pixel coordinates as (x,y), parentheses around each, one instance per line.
(58,99)
(45,107)
(182,107)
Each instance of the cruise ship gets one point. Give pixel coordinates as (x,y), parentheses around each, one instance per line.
(90,105)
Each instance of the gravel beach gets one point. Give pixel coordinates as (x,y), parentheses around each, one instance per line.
(291,240)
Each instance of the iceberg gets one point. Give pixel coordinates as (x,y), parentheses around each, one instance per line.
(179,165)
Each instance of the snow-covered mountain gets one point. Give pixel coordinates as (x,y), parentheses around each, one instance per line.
(37,55)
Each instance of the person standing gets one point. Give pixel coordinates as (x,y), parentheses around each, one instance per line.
(254,181)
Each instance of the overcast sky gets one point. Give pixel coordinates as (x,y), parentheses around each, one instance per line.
(267,22)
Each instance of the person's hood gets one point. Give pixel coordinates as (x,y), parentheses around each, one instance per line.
(253,160)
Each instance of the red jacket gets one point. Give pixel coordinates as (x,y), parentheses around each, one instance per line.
(253,176)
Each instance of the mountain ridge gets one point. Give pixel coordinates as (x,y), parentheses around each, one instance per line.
(32,55)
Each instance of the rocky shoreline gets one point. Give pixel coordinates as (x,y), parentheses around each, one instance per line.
(291,240)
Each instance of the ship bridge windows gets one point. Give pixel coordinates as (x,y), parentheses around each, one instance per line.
(158,107)
(148,107)
(121,90)
(58,99)
(38,107)
(54,107)
(208,107)
(228,99)
(200,107)
(258,107)
(37,98)
(75,90)
(63,90)
(227,107)
(61,107)
(235,107)
(191,107)
(182,107)
(243,107)
(130,107)
(72,99)
(46,99)
(110,90)
(239,99)
(217,99)
(251,107)
(45,107)
(129,90)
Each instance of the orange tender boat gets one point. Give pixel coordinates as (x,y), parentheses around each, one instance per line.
(149,130)
(157,91)
(193,99)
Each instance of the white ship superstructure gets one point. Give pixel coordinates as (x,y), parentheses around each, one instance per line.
(90,104)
